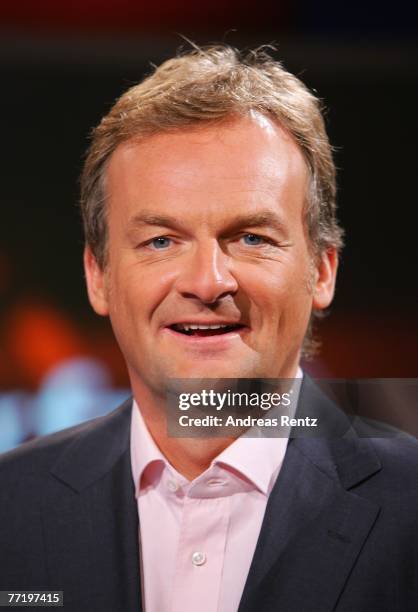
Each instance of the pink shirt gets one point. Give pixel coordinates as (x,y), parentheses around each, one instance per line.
(197,539)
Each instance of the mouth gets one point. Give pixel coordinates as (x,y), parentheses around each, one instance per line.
(199,330)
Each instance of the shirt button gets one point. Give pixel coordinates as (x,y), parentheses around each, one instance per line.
(172,485)
(198,558)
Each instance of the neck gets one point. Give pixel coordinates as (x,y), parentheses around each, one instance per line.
(189,456)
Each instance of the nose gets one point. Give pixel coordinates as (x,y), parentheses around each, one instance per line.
(206,275)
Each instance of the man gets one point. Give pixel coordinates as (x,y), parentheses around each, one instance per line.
(208,200)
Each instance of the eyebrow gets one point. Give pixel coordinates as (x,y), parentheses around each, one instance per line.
(264,218)
(146,218)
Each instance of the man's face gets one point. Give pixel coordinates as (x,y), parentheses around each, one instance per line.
(206,229)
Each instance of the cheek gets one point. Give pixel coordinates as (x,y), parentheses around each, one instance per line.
(277,286)
(281,300)
(136,292)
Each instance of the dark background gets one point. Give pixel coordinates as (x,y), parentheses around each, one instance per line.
(63,65)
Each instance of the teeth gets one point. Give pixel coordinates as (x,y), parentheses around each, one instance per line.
(189,326)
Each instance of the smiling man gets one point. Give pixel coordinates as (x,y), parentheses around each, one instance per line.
(208,200)
(217,214)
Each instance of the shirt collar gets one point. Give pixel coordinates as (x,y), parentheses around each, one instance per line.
(144,451)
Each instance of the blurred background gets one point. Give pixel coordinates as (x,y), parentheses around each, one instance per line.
(63,64)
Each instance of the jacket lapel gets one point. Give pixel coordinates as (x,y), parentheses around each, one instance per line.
(314,527)
(90,519)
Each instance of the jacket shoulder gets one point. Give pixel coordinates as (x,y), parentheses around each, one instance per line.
(39,454)
(399,459)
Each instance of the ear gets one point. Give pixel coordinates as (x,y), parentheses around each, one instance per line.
(96,283)
(325,274)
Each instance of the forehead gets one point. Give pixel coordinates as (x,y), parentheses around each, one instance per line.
(215,168)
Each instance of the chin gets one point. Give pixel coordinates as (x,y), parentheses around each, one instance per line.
(215,369)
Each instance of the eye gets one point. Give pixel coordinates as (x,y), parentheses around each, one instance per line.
(252,239)
(159,243)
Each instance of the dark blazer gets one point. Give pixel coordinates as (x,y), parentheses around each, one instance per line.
(340,530)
